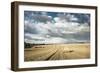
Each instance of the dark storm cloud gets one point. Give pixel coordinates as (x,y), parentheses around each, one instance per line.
(37,17)
(29,28)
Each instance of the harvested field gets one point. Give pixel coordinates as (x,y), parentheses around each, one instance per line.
(57,52)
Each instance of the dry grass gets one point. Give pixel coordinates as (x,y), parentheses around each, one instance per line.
(57,52)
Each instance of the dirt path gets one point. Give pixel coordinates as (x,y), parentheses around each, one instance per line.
(57,52)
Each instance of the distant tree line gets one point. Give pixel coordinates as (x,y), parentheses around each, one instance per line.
(29,45)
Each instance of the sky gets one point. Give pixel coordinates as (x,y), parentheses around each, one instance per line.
(56,27)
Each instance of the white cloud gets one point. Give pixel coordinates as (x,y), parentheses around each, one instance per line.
(55,40)
(71,17)
(56,19)
(62,31)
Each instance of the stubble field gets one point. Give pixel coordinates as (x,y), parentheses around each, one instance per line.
(57,52)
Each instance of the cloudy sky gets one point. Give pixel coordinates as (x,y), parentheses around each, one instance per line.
(56,27)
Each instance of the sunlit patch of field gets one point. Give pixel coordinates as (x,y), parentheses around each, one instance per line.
(57,52)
